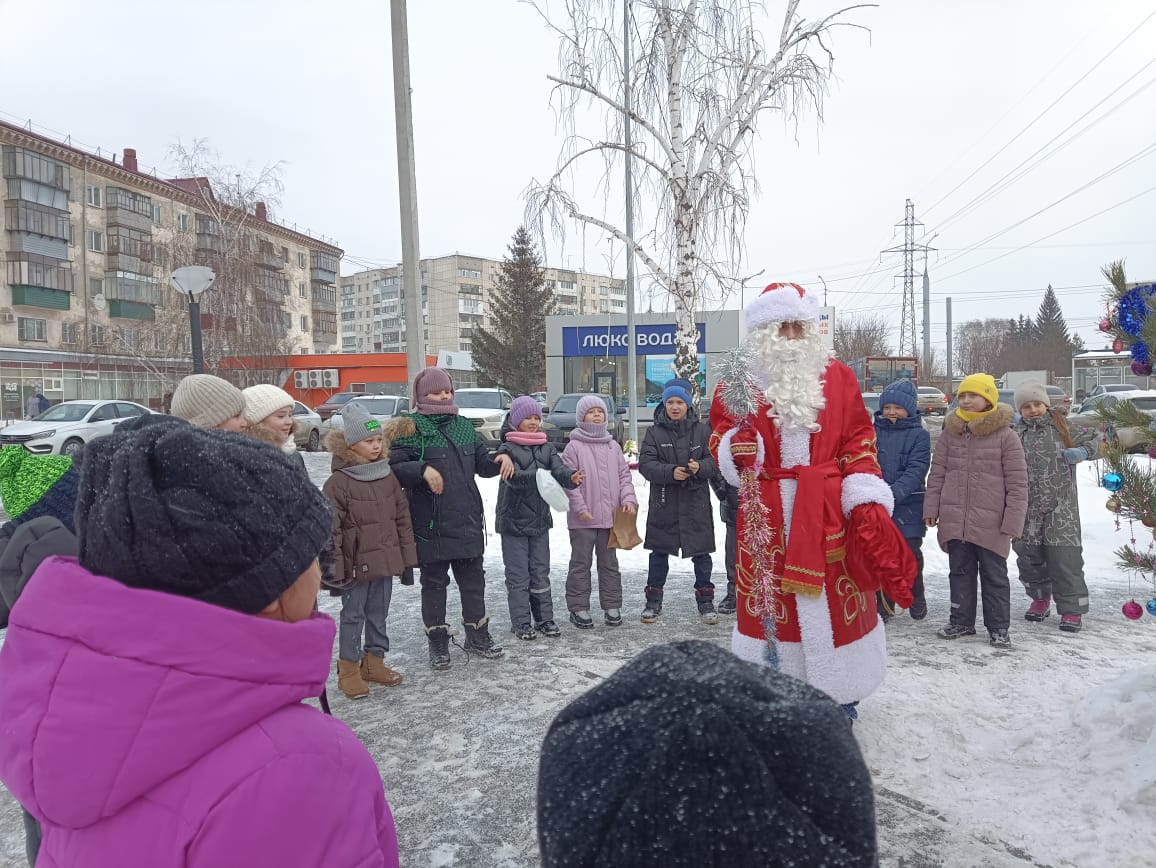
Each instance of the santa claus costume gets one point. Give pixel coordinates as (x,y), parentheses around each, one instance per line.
(815,537)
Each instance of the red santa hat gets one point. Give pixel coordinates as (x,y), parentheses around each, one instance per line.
(781,302)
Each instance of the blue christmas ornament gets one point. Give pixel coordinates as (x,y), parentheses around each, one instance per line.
(1132,309)
(1113,481)
(1151,606)
(1140,351)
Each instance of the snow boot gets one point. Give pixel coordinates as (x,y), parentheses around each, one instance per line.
(954,631)
(653,605)
(727,605)
(480,642)
(999,638)
(1071,623)
(1039,609)
(373,669)
(349,680)
(582,620)
(525,631)
(549,629)
(439,646)
(612,617)
(705,599)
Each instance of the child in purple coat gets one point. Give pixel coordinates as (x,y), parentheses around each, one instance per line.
(606,486)
(151,690)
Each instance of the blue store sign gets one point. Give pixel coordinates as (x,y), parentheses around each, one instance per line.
(611,340)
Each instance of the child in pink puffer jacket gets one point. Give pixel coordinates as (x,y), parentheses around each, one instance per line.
(607,485)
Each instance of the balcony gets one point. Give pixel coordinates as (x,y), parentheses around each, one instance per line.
(210,243)
(128,218)
(323,266)
(268,258)
(324,298)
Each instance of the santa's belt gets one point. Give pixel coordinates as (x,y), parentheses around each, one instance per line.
(819,489)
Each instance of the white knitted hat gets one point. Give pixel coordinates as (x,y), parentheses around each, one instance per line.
(206,401)
(781,302)
(264,400)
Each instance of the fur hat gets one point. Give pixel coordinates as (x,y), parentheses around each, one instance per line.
(522,409)
(980,384)
(587,403)
(781,302)
(207,401)
(1031,391)
(150,516)
(759,769)
(358,423)
(902,393)
(678,388)
(36,485)
(264,400)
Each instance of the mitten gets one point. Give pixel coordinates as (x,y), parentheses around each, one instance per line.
(1075,454)
(877,550)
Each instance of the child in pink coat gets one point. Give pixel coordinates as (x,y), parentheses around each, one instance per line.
(606,486)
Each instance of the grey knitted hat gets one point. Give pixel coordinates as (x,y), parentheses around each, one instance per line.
(207,401)
(359,425)
(1031,391)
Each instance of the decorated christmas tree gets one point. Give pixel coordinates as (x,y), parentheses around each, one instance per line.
(1131,320)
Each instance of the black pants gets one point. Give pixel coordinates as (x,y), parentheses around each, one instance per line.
(660,568)
(965,560)
(730,555)
(435,581)
(915,543)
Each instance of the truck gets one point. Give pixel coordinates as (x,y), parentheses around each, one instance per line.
(876,372)
(1014,379)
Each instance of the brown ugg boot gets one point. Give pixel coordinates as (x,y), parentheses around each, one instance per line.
(349,680)
(373,669)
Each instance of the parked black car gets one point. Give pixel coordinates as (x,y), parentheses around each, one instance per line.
(562,421)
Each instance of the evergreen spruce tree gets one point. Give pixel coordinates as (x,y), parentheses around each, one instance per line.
(513,354)
(1054,342)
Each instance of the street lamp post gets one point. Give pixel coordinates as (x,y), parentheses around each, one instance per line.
(192,280)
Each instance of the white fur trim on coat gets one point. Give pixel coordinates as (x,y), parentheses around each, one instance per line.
(861,488)
(781,305)
(726,461)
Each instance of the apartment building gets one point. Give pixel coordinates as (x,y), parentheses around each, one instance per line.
(86,305)
(456,290)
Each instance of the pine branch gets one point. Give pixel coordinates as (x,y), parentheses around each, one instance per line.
(1124,414)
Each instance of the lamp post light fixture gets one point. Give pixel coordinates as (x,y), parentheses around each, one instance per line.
(192,280)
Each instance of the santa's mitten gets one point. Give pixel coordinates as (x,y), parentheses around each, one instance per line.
(740,449)
(876,549)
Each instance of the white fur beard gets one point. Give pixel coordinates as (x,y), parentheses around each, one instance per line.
(790,374)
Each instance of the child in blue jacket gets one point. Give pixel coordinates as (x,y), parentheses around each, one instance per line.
(904,456)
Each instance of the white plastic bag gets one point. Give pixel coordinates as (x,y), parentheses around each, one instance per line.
(553,493)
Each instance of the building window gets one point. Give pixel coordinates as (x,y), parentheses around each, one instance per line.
(95,286)
(95,240)
(23,163)
(158,216)
(284,254)
(159,344)
(566,284)
(301,263)
(304,323)
(301,291)
(69,333)
(93,195)
(30,329)
(183,222)
(469,272)
(130,338)
(98,335)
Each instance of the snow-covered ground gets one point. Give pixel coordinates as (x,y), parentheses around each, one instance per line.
(1041,756)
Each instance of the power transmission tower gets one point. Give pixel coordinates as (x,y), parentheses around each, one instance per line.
(907,342)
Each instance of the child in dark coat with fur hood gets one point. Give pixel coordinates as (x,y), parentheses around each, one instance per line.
(372,542)
(524,520)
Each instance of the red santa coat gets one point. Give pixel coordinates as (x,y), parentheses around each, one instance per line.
(828,631)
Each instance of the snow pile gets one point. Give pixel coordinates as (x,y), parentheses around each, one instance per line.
(1117,722)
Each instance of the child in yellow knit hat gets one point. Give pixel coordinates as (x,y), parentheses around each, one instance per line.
(977,498)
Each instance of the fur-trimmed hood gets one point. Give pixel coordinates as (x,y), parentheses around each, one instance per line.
(260,432)
(398,428)
(983,426)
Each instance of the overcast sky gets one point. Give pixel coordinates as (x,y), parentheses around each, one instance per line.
(919,104)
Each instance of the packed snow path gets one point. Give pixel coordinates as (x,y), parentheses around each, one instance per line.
(1044,755)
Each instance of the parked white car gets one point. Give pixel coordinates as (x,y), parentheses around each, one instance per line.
(486,409)
(306,427)
(380,407)
(1128,439)
(64,428)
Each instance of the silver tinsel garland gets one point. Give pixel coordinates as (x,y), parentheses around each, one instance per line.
(740,392)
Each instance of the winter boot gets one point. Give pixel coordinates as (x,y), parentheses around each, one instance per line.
(653,605)
(705,599)
(549,629)
(612,617)
(1039,609)
(728,603)
(373,669)
(954,631)
(1071,623)
(439,646)
(999,638)
(349,680)
(480,642)
(918,610)
(525,631)
(582,620)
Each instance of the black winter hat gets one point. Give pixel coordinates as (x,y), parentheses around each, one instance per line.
(688,756)
(212,515)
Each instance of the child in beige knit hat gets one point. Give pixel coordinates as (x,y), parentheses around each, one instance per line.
(209,402)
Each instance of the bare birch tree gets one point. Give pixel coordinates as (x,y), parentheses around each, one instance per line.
(861,334)
(703,77)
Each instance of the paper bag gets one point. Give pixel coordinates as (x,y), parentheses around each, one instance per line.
(624,534)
